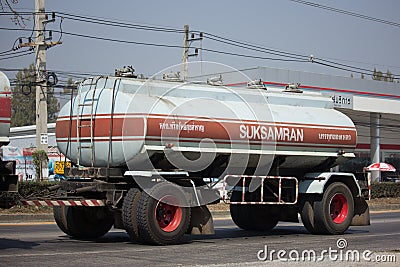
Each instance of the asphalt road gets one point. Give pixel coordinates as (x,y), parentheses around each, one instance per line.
(44,244)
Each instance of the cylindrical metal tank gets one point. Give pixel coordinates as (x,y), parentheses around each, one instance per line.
(5,109)
(173,125)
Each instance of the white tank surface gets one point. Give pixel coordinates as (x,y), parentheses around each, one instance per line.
(5,109)
(161,121)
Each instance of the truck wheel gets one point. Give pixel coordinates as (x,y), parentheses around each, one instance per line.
(239,212)
(84,222)
(251,217)
(307,215)
(129,213)
(262,218)
(334,213)
(59,214)
(163,214)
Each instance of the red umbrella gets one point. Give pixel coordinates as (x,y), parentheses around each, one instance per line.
(381,166)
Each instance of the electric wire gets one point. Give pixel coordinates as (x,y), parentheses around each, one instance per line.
(117,24)
(283,55)
(20,55)
(211,37)
(346,12)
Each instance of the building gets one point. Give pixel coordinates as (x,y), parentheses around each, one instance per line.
(22,144)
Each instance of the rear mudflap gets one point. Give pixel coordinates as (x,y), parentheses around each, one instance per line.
(361,212)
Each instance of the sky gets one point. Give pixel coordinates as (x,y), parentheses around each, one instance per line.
(277,24)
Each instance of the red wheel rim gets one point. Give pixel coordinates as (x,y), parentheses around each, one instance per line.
(339,208)
(168,216)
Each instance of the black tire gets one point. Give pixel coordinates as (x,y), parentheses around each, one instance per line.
(60,216)
(84,222)
(129,213)
(240,213)
(161,223)
(262,218)
(251,217)
(334,213)
(307,215)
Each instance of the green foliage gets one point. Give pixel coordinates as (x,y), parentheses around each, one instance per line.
(388,77)
(67,90)
(23,102)
(380,76)
(39,157)
(24,99)
(384,190)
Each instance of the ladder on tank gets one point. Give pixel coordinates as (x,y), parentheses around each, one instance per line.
(86,121)
(89,118)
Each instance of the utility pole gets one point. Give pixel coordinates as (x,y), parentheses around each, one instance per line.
(41,44)
(186,45)
(185,51)
(375,144)
(41,86)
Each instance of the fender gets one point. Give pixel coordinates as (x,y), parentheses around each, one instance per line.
(315,183)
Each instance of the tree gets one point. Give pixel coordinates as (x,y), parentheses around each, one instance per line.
(40,161)
(24,100)
(67,90)
(17,19)
(389,76)
(379,76)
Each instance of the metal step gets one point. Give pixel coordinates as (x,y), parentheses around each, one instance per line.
(80,118)
(85,139)
(83,147)
(86,105)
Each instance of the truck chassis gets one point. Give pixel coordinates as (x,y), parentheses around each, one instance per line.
(173,204)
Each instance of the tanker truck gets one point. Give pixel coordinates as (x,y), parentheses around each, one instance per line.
(146,154)
(8,178)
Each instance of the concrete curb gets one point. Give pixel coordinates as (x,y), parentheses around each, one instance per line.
(220,214)
(26,217)
(392,207)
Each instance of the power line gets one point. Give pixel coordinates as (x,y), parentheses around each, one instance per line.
(210,36)
(255,48)
(348,13)
(240,44)
(364,63)
(20,55)
(6,52)
(177,46)
(117,40)
(263,48)
(12,52)
(174,30)
(282,55)
(344,65)
(117,24)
